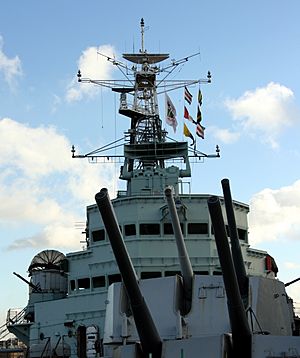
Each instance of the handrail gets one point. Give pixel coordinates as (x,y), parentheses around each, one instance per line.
(18,318)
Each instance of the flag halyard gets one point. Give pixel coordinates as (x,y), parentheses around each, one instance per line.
(199,128)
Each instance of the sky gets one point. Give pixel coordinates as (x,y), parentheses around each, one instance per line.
(251,110)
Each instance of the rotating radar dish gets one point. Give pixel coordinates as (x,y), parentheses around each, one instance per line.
(46,259)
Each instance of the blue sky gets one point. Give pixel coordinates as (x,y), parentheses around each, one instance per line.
(251,110)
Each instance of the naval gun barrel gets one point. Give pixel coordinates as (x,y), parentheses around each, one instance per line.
(241,335)
(237,255)
(30,284)
(291,282)
(184,260)
(150,339)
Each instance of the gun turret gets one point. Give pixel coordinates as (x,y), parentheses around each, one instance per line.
(241,335)
(237,256)
(150,339)
(185,264)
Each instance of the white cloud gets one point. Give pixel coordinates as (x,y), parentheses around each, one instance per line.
(55,103)
(92,66)
(292,265)
(60,234)
(224,135)
(34,151)
(41,185)
(274,214)
(10,67)
(266,110)
(27,201)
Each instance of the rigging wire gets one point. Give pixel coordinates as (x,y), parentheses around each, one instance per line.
(119,65)
(101,103)
(115,112)
(106,146)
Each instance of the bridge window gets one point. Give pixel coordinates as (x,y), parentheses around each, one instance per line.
(130,230)
(145,275)
(98,281)
(72,285)
(149,229)
(98,235)
(226,229)
(114,278)
(168,229)
(83,283)
(242,234)
(172,273)
(198,228)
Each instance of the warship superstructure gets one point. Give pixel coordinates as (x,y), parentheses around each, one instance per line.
(163,273)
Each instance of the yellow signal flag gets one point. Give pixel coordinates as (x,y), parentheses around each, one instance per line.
(187,133)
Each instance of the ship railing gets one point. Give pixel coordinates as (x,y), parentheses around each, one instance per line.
(121,193)
(140,108)
(119,158)
(3,333)
(12,343)
(15,316)
(183,185)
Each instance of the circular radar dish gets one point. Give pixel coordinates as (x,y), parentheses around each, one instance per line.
(46,259)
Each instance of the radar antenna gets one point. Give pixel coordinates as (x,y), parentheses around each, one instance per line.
(142,35)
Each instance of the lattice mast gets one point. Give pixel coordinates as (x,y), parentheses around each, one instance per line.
(146,149)
(146,126)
